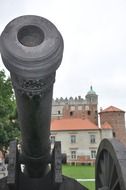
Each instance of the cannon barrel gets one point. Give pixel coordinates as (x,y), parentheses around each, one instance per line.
(31,49)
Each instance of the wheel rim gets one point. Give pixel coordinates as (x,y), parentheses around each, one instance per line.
(111,166)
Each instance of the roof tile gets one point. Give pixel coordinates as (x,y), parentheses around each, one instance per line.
(72,125)
(112,109)
(106,125)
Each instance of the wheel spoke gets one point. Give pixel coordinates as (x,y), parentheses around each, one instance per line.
(101,178)
(107,167)
(114,177)
(115,184)
(102,165)
(111,173)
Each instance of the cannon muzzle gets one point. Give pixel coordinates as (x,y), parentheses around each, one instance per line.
(31,49)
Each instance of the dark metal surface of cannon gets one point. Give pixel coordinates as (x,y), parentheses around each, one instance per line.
(31,49)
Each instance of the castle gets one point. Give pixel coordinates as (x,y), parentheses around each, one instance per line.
(77,107)
(88,109)
(75,124)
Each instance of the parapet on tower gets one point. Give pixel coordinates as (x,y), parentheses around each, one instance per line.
(76,107)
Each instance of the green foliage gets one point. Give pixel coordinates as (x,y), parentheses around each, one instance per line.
(8,124)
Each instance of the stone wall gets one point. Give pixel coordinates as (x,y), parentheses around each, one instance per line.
(75,108)
(117,121)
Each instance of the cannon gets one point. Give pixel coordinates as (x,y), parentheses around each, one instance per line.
(32,48)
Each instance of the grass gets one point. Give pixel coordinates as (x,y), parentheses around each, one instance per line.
(81,172)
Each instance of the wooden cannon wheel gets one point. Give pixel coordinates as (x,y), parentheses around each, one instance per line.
(111,166)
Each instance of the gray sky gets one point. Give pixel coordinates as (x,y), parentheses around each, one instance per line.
(94,33)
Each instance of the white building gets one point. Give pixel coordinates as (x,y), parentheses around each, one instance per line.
(79,138)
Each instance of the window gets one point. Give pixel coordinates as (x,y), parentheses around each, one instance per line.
(79,108)
(93,154)
(73,154)
(92,139)
(72,108)
(52,139)
(86,108)
(71,113)
(73,139)
(114,134)
(89,112)
(59,112)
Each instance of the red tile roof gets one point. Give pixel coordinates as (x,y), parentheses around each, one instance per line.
(72,125)
(106,125)
(112,109)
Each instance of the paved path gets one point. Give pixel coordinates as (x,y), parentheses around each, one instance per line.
(85,179)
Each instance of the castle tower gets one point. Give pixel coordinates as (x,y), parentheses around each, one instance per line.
(91,96)
(91,106)
(116,118)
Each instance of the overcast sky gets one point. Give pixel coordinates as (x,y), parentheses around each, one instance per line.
(94,33)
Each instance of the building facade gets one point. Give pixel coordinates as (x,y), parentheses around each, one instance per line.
(75,124)
(77,107)
(79,138)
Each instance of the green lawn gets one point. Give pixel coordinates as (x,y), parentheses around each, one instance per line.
(81,172)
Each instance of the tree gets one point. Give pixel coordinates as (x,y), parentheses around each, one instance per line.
(9,129)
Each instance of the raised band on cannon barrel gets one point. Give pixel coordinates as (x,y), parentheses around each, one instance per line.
(31,48)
